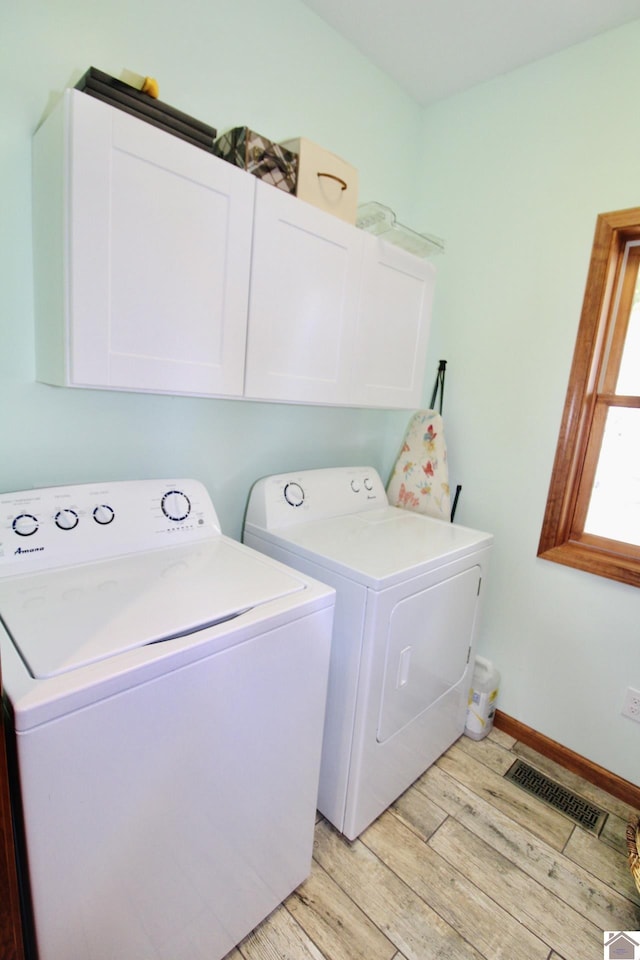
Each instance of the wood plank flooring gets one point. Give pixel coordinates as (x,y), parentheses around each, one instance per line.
(464,866)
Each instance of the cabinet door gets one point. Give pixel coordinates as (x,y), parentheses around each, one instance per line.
(303,301)
(394,317)
(158,258)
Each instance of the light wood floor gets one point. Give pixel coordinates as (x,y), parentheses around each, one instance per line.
(464,866)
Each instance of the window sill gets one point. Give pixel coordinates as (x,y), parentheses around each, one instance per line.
(596,560)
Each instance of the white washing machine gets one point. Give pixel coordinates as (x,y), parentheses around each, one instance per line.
(408,596)
(165,691)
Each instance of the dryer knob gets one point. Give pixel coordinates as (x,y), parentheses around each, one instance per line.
(25,524)
(103,514)
(67,519)
(294,494)
(176,505)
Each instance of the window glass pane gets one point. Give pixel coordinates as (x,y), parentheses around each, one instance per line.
(614,508)
(629,374)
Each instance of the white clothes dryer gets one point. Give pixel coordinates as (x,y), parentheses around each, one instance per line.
(164,688)
(408,596)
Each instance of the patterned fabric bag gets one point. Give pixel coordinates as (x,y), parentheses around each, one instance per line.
(420,478)
(264,159)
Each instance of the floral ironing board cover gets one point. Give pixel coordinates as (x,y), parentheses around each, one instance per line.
(420,478)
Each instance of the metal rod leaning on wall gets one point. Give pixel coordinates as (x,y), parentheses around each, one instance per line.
(442,369)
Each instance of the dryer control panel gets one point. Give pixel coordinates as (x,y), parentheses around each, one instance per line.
(59,526)
(287,498)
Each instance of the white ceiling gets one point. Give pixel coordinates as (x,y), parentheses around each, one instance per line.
(434,48)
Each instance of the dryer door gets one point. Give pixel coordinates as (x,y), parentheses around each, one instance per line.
(428,648)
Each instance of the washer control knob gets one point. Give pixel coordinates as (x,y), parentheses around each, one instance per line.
(103,514)
(25,524)
(67,519)
(294,494)
(355,486)
(368,485)
(176,505)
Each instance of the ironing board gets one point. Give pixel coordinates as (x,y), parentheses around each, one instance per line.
(420,478)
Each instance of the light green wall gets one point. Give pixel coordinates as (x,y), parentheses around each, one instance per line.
(276,68)
(514,174)
(511,174)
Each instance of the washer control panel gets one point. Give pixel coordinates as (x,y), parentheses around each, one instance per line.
(286,498)
(59,526)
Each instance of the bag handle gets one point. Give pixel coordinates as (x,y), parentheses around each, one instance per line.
(332,176)
(442,366)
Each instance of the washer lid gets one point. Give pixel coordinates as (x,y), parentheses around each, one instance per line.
(60,620)
(380,547)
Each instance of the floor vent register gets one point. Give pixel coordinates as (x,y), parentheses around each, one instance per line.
(582,812)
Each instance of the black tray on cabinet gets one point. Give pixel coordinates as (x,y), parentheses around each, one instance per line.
(104,87)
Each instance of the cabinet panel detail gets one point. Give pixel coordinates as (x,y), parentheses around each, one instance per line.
(304,291)
(157,256)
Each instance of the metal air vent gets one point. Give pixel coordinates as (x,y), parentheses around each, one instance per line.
(586,814)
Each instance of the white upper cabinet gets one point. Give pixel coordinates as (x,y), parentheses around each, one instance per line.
(336,316)
(394,317)
(305,281)
(142,256)
(161,268)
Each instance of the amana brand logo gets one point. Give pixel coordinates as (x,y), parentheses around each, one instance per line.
(29,550)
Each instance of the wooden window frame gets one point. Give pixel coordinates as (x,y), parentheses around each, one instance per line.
(563,539)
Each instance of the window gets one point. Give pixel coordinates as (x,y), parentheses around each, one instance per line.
(592,520)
